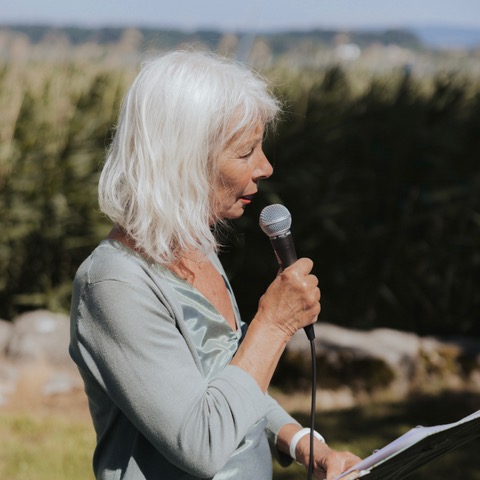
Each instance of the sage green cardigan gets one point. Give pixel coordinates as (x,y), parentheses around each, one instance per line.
(157,412)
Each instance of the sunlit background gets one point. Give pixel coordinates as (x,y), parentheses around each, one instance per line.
(252,15)
(376,156)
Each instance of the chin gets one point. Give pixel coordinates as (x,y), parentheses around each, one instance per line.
(234,213)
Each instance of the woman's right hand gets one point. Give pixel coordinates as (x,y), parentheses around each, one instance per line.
(292,301)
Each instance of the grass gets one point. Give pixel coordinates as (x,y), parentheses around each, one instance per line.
(44,448)
(362,430)
(54,445)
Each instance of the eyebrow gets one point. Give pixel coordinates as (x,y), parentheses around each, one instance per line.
(258,138)
(248,139)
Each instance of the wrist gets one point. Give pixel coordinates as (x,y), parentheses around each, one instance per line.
(304,432)
(267,329)
(259,353)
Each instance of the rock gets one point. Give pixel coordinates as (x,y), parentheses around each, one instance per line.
(36,363)
(40,336)
(8,381)
(361,359)
(60,383)
(381,359)
(397,349)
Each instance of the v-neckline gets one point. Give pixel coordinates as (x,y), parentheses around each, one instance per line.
(231,297)
(118,236)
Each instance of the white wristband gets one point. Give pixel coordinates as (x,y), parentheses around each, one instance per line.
(300,434)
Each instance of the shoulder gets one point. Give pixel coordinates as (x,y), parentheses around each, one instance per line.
(112,268)
(114,282)
(110,261)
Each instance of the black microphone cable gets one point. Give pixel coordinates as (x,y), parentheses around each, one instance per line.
(313,405)
(275,221)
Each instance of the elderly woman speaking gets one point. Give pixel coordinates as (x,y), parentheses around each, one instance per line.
(177,385)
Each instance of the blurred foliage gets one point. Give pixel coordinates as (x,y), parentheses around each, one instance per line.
(50,218)
(382,183)
(384,191)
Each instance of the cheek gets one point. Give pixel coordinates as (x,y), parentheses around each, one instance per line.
(224,193)
(233,180)
(228,193)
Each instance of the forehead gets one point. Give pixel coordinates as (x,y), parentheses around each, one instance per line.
(247,135)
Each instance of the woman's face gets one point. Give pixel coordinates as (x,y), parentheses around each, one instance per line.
(241,165)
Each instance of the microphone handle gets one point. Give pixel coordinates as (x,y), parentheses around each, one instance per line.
(284,250)
(286,255)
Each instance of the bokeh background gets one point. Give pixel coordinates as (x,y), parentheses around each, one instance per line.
(376,156)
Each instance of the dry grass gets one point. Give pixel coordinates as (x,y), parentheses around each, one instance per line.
(41,447)
(44,436)
(50,437)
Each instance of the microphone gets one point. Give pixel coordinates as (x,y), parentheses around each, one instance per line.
(275,221)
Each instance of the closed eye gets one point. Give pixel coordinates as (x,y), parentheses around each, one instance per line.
(247,154)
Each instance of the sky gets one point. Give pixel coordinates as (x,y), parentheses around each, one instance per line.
(243,15)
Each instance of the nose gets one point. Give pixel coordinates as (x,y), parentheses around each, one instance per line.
(264,168)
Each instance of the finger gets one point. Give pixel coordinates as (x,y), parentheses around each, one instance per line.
(303,266)
(352,475)
(320,473)
(312,280)
(313,298)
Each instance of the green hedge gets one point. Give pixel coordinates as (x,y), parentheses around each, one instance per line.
(383,184)
(384,191)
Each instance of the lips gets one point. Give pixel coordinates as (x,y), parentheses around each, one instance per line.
(246,198)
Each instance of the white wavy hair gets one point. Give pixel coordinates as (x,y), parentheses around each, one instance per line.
(181,111)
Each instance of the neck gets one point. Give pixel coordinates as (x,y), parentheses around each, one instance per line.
(120,235)
(187,266)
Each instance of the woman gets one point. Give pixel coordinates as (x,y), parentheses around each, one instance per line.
(177,386)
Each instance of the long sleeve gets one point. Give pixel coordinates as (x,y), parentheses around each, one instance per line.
(129,346)
(277,417)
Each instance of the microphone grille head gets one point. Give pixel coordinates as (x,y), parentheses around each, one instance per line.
(275,220)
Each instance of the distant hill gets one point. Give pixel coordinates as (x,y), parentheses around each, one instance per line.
(280,41)
(448,37)
(415,37)
(422,50)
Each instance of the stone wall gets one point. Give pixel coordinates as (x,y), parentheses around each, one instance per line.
(34,359)
(352,366)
